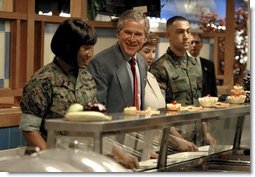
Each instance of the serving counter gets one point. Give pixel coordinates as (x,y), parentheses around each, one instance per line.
(226,125)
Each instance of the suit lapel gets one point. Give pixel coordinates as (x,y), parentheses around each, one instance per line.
(123,76)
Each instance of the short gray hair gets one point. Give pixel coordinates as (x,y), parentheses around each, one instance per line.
(135,15)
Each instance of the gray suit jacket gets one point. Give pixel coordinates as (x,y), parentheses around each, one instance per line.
(114,90)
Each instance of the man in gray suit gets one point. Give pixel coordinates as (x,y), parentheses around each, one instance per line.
(111,69)
(114,76)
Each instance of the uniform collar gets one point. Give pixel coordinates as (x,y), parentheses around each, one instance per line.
(64,66)
(176,60)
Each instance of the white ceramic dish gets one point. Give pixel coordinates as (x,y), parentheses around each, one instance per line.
(148,163)
(236,99)
(208,101)
(187,155)
(86,116)
(184,156)
(204,148)
(173,107)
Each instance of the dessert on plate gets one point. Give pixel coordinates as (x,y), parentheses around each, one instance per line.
(91,112)
(208,101)
(237,96)
(174,106)
(130,110)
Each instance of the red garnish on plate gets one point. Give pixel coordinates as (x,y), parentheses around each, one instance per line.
(237,94)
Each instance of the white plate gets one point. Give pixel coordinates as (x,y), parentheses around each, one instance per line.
(187,155)
(204,148)
(219,148)
(86,116)
(236,100)
(148,163)
(174,158)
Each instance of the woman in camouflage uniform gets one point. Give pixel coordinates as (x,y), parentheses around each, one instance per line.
(57,85)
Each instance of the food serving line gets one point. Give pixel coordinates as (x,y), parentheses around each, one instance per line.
(122,123)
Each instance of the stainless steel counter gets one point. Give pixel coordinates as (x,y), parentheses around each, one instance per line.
(121,123)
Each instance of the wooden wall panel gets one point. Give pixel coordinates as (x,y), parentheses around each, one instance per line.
(229,43)
(15,51)
(39,44)
(20,6)
(7,5)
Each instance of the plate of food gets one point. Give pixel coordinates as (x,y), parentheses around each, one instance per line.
(132,111)
(208,101)
(236,99)
(151,163)
(76,113)
(238,95)
(174,106)
(87,116)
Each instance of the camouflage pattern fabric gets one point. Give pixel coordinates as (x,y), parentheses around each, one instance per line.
(50,92)
(178,78)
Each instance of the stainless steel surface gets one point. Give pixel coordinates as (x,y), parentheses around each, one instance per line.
(162,162)
(56,160)
(85,161)
(124,124)
(34,164)
(239,129)
(12,152)
(228,161)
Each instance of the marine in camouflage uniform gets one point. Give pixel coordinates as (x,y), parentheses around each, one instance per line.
(178,78)
(50,92)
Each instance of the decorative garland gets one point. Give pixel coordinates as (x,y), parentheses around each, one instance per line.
(210,23)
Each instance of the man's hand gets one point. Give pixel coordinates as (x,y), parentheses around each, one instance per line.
(185,145)
(209,139)
(127,160)
(181,144)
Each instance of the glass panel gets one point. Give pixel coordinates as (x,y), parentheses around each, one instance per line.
(222,130)
(193,10)
(49,31)
(4,53)
(76,142)
(144,145)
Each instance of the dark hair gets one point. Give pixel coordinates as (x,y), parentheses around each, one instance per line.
(171,20)
(69,37)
